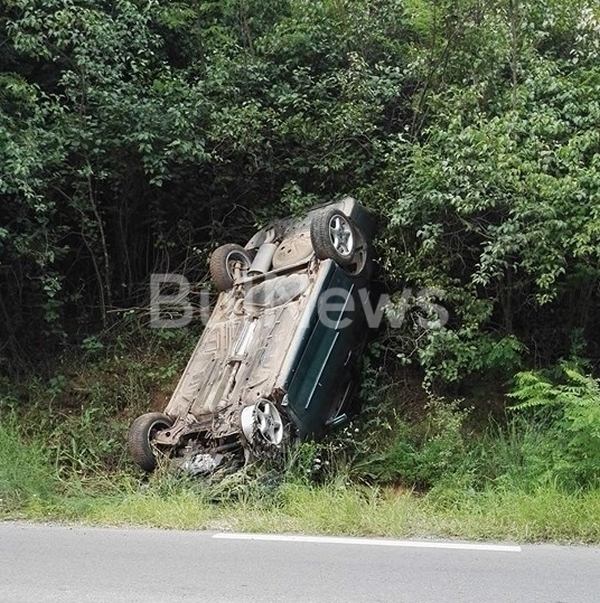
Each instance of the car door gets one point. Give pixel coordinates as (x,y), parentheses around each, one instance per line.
(323,370)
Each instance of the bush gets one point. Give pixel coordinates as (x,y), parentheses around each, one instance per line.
(568,405)
(419,455)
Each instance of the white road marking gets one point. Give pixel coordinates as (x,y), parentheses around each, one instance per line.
(419,544)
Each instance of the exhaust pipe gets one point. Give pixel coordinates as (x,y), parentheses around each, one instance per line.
(263,259)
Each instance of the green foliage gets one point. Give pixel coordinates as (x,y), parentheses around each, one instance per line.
(438,453)
(450,355)
(128,132)
(135,137)
(83,411)
(440,443)
(26,473)
(569,406)
(62,457)
(422,456)
(492,192)
(551,438)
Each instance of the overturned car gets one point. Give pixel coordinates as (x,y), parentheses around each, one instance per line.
(278,359)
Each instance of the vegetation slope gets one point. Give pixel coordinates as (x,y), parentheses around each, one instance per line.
(137,136)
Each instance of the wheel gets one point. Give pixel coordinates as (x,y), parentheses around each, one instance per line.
(262,420)
(227,263)
(140,438)
(333,236)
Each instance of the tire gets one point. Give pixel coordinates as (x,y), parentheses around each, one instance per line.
(140,438)
(223,264)
(334,236)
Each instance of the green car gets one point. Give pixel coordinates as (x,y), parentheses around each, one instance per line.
(278,359)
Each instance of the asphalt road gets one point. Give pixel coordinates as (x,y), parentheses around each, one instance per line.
(43,564)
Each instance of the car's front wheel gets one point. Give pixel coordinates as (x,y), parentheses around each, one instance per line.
(335,236)
(141,435)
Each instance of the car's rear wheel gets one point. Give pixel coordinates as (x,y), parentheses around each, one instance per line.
(141,434)
(228,263)
(332,235)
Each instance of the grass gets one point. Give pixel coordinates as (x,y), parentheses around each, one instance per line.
(63,459)
(25,472)
(543,514)
(34,487)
